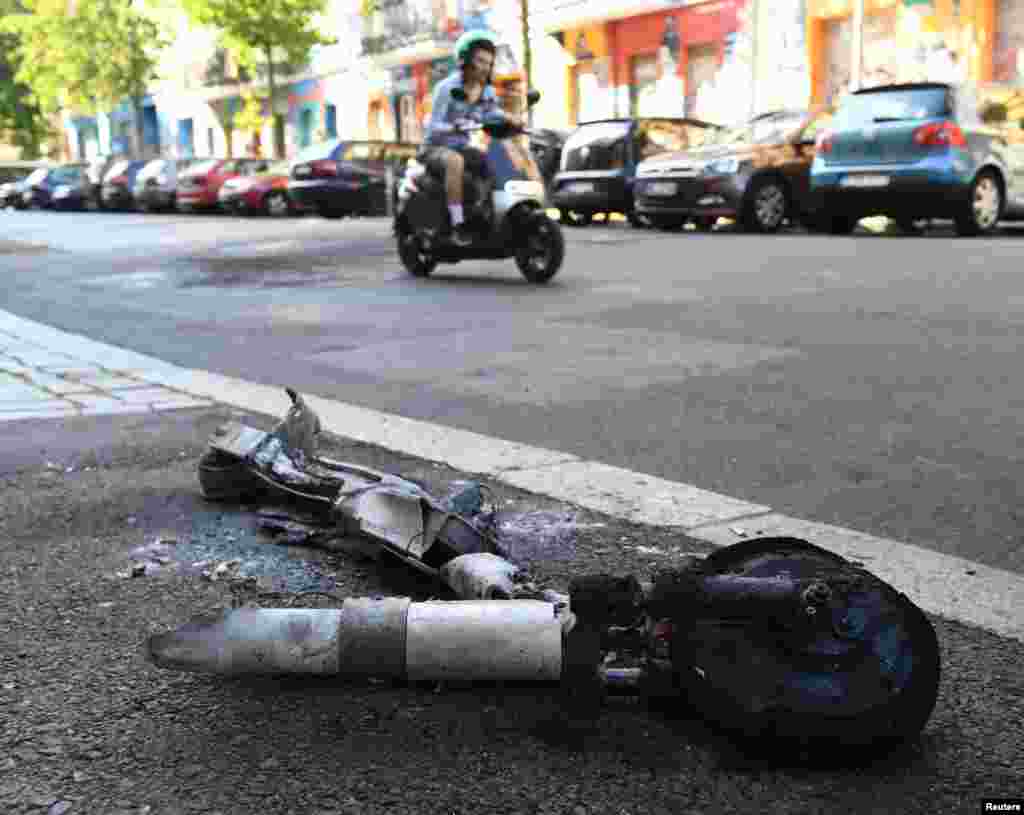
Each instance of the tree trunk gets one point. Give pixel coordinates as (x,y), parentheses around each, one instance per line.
(139,148)
(524,10)
(275,118)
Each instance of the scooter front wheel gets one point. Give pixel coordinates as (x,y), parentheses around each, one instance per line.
(417,262)
(543,250)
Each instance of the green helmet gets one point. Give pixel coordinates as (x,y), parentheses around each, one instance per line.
(470,39)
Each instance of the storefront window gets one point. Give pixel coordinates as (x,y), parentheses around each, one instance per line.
(643,85)
(1008,59)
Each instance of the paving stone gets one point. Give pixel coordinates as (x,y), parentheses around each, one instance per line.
(52,413)
(56,384)
(181,403)
(13,397)
(148,395)
(109,410)
(109,382)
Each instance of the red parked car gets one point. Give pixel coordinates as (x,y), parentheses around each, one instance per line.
(199,187)
(265,193)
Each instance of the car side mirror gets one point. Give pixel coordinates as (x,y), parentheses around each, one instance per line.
(459,94)
(532,98)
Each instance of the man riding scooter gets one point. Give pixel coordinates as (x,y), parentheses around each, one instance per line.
(448,151)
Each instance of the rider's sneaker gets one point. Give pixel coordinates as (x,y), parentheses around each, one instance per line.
(461,237)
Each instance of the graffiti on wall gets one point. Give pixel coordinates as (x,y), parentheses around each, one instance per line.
(907,44)
(1008,58)
(724,94)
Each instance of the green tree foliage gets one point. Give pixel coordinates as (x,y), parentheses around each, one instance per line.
(261,34)
(22,122)
(90,60)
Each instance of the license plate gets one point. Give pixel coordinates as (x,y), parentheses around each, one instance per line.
(662,188)
(581,187)
(865,181)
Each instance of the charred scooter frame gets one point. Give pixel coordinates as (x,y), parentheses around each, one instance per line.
(505,212)
(774,640)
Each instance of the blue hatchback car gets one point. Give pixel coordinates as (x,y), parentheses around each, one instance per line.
(914,152)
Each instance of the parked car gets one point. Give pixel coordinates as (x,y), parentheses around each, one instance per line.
(71,189)
(338,178)
(916,151)
(156,185)
(265,193)
(757,174)
(12,180)
(40,187)
(119,182)
(200,184)
(96,171)
(546,147)
(600,158)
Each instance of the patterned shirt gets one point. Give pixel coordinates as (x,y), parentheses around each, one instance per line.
(447,112)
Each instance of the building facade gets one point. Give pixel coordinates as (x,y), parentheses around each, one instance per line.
(719,60)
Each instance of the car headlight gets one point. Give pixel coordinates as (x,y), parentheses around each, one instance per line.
(722,166)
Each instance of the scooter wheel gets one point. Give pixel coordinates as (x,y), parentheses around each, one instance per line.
(417,262)
(543,249)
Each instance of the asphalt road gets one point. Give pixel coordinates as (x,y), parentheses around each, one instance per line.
(869,381)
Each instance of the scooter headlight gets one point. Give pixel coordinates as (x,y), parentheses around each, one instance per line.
(527,189)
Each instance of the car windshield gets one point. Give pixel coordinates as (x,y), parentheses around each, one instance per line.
(318,151)
(596,146)
(37,175)
(766,130)
(203,167)
(64,175)
(154,168)
(656,136)
(117,168)
(891,105)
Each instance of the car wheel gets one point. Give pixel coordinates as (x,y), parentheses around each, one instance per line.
(276,204)
(913,226)
(668,223)
(543,251)
(980,213)
(838,224)
(704,224)
(638,221)
(571,217)
(766,206)
(329,212)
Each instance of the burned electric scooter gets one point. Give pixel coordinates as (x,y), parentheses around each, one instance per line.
(771,639)
(385,513)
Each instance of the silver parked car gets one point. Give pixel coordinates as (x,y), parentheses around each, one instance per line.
(156,185)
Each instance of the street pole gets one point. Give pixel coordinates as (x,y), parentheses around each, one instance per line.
(858,45)
(524,18)
(755,34)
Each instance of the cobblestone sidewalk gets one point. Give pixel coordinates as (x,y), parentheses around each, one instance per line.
(46,373)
